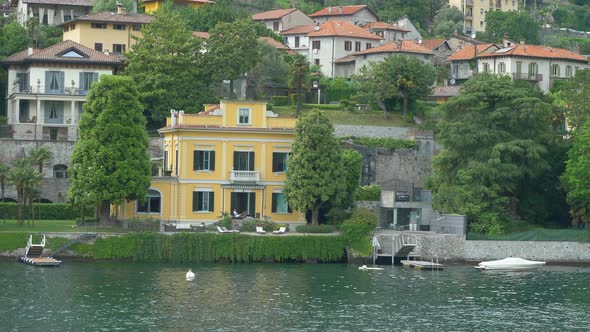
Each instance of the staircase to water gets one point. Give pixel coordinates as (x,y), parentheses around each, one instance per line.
(80,238)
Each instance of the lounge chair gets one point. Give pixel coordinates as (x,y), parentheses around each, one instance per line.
(225,230)
(220,230)
(281,230)
(259,230)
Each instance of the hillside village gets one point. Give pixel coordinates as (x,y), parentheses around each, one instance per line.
(223,123)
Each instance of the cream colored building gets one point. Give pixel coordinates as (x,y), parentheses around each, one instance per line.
(106,31)
(474,12)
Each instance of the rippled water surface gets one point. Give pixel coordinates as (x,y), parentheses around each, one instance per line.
(276,297)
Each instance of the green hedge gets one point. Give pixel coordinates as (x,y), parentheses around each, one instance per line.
(368,193)
(324,106)
(316,229)
(383,142)
(357,229)
(280,100)
(45,211)
(211,247)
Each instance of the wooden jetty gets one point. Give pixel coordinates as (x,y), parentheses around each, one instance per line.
(40,261)
(33,254)
(423,265)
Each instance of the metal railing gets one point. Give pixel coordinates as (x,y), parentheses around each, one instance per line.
(246,176)
(527,77)
(41,90)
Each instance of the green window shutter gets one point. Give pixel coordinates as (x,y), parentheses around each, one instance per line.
(211,201)
(212,160)
(275,164)
(196,163)
(236,160)
(62,79)
(47,81)
(251,162)
(81,83)
(195,201)
(274,203)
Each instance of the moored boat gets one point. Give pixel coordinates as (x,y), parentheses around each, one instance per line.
(510,263)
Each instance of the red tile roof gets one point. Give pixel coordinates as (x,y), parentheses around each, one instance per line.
(383,26)
(276,44)
(433,43)
(404,46)
(201,34)
(337,11)
(536,51)
(342,29)
(55,54)
(272,14)
(468,52)
(346,59)
(299,30)
(82,3)
(115,18)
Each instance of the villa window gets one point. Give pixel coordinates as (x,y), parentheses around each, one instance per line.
(152,203)
(347,45)
(136,27)
(23,81)
(60,171)
(244,116)
(501,68)
(54,111)
(518,68)
(296,41)
(555,70)
(203,201)
(280,204)
(118,48)
(118,26)
(275,26)
(486,67)
(203,160)
(533,69)
(279,161)
(244,160)
(98,25)
(316,45)
(357,46)
(98,47)
(369,46)
(86,80)
(568,71)
(316,62)
(54,81)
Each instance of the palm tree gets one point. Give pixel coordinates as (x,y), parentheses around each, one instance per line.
(3,173)
(24,178)
(299,69)
(39,156)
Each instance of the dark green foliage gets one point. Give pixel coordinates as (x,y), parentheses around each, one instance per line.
(517,26)
(337,89)
(315,229)
(207,17)
(368,193)
(324,106)
(280,100)
(269,226)
(299,78)
(383,142)
(111,5)
(270,70)
(352,163)
(574,16)
(447,21)
(13,38)
(357,229)
(573,95)
(577,176)
(54,211)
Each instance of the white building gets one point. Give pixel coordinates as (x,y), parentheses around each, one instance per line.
(352,64)
(462,61)
(405,23)
(282,19)
(336,39)
(297,38)
(47,89)
(50,12)
(359,15)
(389,32)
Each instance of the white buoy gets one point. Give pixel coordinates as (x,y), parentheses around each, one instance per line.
(365,268)
(190,276)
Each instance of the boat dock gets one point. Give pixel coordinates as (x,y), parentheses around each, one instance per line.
(423,265)
(40,261)
(33,254)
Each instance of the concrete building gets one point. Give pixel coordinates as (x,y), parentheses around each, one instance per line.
(389,32)
(474,12)
(231,156)
(297,38)
(441,49)
(359,14)
(106,31)
(50,12)
(405,23)
(335,39)
(282,19)
(462,61)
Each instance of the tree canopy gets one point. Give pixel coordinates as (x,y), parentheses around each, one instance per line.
(111,5)
(167,65)
(494,136)
(315,175)
(110,161)
(574,96)
(299,77)
(447,21)
(271,68)
(517,26)
(577,176)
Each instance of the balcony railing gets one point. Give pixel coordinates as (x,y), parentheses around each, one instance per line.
(41,90)
(245,176)
(527,77)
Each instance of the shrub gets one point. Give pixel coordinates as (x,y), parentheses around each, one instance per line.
(356,230)
(316,229)
(250,226)
(324,106)
(45,211)
(269,106)
(280,100)
(383,142)
(294,99)
(368,193)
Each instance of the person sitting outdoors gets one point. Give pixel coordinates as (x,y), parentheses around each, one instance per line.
(235,214)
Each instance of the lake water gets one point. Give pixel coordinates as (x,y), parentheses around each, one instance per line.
(290,297)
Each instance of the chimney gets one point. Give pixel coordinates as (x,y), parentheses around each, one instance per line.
(522,42)
(30,51)
(329,10)
(120,8)
(340,9)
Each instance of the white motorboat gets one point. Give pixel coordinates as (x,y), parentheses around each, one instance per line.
(510,263)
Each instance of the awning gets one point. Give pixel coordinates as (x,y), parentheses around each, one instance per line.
(243,186)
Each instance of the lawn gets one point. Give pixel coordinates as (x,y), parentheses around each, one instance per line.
(46,226)
(360,118)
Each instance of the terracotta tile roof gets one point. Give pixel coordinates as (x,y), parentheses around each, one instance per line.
(201,34)
(278,45)
(54,54)
(115,18)
(346,59)
(467,39)
(433,43)
(339,10)
(198,1)
(343,29)
(272,14)
(446,91)
(404,46)
(299,30)
(536,51)
(383,26)
(468,52)
(82,3)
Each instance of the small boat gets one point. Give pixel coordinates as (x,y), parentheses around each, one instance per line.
(510,263)
(365,268)
(190,275)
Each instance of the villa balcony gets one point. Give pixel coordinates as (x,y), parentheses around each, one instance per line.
(41,90)
(244,176)
(527,77)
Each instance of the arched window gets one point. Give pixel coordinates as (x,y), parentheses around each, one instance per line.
(427,149)
(152,203)
(60,171)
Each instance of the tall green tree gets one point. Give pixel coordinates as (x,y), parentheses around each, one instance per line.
(574,97)
(398,76)
(298,78)
(494,137)
(168,67)
(207,17)
(447,21)
(39,156)
(271,69)
(111,5)
(4,169)
(232,50)
(13,38)
(110,161)
(24,178)
(315,173)
(517,26)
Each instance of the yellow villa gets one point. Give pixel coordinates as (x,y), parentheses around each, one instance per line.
(107,32)
(231,156)
(151,6)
